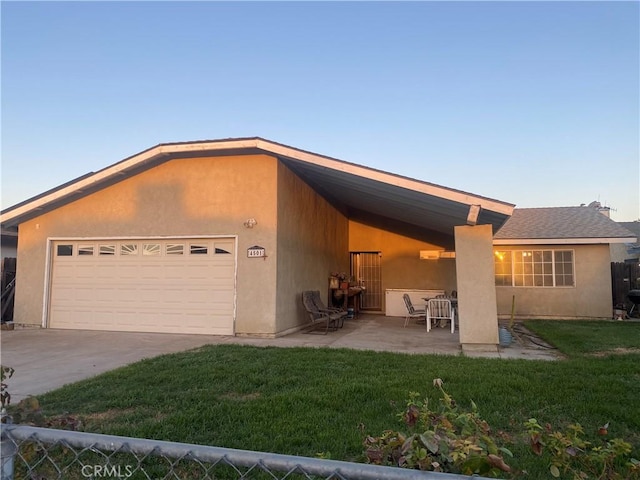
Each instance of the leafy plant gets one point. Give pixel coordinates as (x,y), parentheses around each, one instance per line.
(571,454)
(28,411)
(5,374)
(443,439)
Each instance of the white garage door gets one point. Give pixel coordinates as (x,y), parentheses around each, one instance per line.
(173,286)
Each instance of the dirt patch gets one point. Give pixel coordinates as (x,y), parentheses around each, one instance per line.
(615,351)
(119,415)
(107,415)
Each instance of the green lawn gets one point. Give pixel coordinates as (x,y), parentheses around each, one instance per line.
(308,401)
(580,338)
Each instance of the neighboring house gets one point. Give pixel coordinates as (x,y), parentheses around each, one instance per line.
(221,237)
(556,262)
(627,252)
(9,245)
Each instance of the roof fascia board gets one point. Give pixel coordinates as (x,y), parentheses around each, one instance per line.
(119,168)
(83,183)
(562,241)
(269,147)
(377,175)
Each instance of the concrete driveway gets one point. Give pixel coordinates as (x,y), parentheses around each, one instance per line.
(46,359)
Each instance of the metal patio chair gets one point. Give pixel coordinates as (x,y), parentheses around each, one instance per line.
(329,320)
(317,300)
(412,312)
(440,309)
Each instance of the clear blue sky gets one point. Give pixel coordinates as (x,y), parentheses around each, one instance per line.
(533,103)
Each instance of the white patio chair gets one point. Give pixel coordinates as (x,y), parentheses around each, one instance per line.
(440,309)
(412,312)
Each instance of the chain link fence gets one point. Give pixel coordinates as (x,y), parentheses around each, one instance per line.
(33,453)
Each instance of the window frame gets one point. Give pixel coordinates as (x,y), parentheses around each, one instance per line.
(521,273)
(86,250)
(107,249)
(151,249)
(174,249)
(199,248)
(65,250)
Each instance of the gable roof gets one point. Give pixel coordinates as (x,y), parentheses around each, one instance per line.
(633,227)
(561,225)
(633,247)
(361,193)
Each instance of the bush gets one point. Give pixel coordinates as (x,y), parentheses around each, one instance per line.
(442,439)
(28,411)
(446,438)
(574,457)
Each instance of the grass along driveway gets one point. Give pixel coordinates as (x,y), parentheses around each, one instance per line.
(308,401)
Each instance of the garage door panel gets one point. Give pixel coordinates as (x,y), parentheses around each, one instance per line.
(105,294)
(103,271)
(221,296)
(82,272)
(223,272)
(150,299)
(199,272)
(127,296)
(66,271)
(82,295)
(128,272)
(174,272)
(173,295)
(101,318)
(148,286)
(66,316)
(151,271)
(65,294)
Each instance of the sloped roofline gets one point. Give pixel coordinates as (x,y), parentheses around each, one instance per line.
(561,226)
(564,241)
(94,181)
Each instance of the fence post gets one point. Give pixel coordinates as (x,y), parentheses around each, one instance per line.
(8,450)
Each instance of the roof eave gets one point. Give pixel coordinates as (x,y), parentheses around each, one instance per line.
(385,177)
(92,182)
(563,241)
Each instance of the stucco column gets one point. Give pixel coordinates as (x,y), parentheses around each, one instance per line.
(477,308)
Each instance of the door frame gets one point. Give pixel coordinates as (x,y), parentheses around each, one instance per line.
(48,268)
(353,255)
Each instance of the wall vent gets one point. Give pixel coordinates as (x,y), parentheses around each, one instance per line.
(429,254)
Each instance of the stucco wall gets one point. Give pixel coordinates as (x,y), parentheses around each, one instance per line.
(401,264)
(477,314)
(187,197)
(312,243)
(590,298)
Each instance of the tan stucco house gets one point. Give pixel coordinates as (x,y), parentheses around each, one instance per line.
(556,262)
(221,237)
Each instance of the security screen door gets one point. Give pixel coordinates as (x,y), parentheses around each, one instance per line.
(366,268)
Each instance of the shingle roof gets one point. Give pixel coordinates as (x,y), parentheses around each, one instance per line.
(560,223)
(633,227)
(633,248)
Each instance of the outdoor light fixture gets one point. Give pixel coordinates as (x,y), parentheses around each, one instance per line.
(250,222)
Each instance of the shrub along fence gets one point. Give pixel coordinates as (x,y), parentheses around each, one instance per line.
(43,453)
